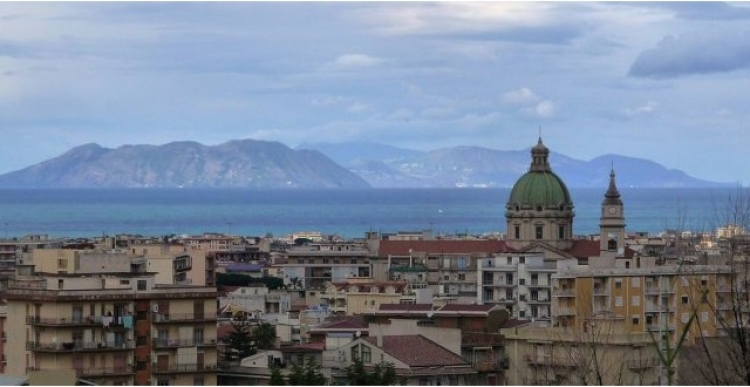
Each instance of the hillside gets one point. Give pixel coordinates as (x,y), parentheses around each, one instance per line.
(240,163)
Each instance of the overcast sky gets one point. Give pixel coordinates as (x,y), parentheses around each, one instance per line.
(664,81)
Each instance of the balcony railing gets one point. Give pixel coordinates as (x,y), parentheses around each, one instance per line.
(659,289)
(111,321)
(543,360)
(172,343)
(182,368)
(565,312)
(78,346)
(104,371)
(182,317)
(563,293)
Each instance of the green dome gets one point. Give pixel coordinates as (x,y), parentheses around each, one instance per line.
(539,188)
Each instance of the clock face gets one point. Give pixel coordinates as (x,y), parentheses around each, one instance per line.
(612,210)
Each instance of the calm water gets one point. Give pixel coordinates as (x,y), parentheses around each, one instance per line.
(349,213)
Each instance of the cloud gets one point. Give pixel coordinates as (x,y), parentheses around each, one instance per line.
(356,60)
(695,53)
(647,108)
(543,109)
(529,103)
(523,95)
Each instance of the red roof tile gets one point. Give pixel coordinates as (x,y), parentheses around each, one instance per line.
(418,351)
(438,246)
(355,322)
(585,249)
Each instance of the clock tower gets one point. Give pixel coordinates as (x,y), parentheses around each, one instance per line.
(612,221)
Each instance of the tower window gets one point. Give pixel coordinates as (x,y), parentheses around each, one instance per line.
(561,232)
(518,232)
(539,233)
(612,245)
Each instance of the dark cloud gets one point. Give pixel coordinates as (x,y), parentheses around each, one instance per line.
(697,53)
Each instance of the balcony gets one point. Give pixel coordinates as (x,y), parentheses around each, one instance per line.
(78,346)
(91,321)
(167,318)
(657,327)
(659,290)
(182,368)
(100,372)
(540,300)
(642,364)
(537,285)
(565,312)
(167,343)
(563,293)
(544,360)
(500,284)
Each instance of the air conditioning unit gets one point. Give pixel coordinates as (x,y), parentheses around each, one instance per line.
(156,308)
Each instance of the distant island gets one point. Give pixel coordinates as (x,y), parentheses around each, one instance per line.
(266,164)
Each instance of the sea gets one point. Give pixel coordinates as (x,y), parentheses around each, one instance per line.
(347,213)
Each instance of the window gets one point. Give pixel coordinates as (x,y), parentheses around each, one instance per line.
(539,232)
(522,281)
(162,382)
(704,297)
(462,277)
(353,261)
(366,354)
(62,263)
(141,284)
(141,341)
(618,301)
(561,232)
(522,260)
(510,261)
(355,352)
(636,281)
(618,284)
(518,232)
(704,316)
(521,313)
(635,321)
(446,277)
(636,301)
(684,300)
(197,381)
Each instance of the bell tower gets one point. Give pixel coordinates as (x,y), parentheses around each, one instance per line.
(612,221)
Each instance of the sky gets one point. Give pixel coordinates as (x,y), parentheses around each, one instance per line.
(668,82)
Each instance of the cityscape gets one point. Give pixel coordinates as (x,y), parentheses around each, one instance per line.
(374,193)
(536,305)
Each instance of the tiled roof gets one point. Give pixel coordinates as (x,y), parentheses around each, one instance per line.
(444,246)
(354,322)
(457,308)
(585,249)
(418,351)
(481,339)
(512,323)
(305,348)
(404,308)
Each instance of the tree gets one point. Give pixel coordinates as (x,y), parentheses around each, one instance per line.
(241,343)
(276,378)
(264,336)
(234,279)
(383,374)
(309,375)
(724,359)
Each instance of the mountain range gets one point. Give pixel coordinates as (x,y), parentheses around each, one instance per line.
(264,164)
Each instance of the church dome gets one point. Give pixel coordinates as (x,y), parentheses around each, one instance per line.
(540,187)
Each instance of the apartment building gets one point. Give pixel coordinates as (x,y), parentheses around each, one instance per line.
(446,266)
(521,282)
(602,354)
(116,328)
(646,296)
(177,264)
(314,265)
(360,295)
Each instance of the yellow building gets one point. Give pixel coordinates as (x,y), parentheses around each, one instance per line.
(657,299)
(113,329)
(360,295)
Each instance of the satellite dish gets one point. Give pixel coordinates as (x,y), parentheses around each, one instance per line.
(358,333)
